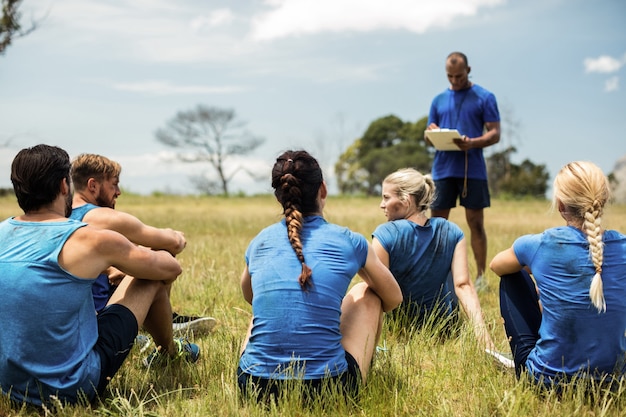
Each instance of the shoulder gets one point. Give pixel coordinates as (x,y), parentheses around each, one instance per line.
(613,235)
(441,224)
(481,91)
(108,218)
(445,93)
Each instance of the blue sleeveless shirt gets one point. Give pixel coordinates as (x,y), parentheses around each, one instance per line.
(101,287)
(48,326)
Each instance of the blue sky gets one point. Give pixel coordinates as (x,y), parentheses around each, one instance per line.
(103,76)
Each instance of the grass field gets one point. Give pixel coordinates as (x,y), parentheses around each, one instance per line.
(417,375)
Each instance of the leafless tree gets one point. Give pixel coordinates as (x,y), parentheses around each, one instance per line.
(209,134)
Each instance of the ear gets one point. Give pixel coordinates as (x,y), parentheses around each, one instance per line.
(323,191)
(65,187)
(469,69)
(93,185)
(560,206)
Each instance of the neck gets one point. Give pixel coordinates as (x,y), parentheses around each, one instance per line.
(49,213)
(81,198)
(418,217)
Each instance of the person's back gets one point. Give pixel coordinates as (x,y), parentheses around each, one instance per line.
(420,258)
(574,336)
(292,324)
(53,343)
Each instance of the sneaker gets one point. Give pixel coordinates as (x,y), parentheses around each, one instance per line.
(143,342)
(184,349)
(503,360)
(481,284)
(183,325)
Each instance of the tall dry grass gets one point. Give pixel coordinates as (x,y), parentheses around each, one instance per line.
(414,374)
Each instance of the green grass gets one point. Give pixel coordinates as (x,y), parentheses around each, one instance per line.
(418,374)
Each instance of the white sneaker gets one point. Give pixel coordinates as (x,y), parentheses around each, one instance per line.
(190,324)
(481,284)
(143,342)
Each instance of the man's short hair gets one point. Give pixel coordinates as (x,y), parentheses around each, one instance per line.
(454,56)
(87,165)
(37,173)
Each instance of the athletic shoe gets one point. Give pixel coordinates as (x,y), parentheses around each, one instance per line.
(184,325)
(503,360)
(481,284)
(143,342)
(184,349)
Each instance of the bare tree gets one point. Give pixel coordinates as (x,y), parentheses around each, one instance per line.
(10,27)
(209,134)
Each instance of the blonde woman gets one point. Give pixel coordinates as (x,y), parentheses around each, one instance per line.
(580,275)
(422,252)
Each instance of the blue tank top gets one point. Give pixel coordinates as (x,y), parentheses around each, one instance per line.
(100,288)
(48,326)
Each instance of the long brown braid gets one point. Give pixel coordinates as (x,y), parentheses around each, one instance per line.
(583,189)
(296,178)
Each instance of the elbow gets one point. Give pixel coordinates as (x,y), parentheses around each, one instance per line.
(497,267)
(393,303)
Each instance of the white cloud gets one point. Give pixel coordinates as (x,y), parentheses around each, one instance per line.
(166,88)
(297,17)
(612,84)
(216,18)
(604,64)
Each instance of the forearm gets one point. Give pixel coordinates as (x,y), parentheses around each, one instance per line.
(487,139)
(471,307)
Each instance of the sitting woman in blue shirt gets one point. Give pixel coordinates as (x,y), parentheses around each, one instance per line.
(305,324)
(579,273)
(422,252)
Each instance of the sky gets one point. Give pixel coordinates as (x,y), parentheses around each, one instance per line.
(103,76)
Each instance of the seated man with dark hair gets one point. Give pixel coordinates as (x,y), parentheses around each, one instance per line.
(51,341)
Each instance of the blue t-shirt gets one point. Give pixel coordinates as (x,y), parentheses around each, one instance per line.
(573,335)
(48,326)
(467,111)
(420,258)
(101,288)
(295,333)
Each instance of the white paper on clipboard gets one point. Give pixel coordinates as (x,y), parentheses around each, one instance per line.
(442,139)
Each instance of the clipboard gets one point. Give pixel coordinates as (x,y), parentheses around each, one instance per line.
(442,139)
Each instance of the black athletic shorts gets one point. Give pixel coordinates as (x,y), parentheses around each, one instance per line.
(267,388)
(449,189)
(117,330)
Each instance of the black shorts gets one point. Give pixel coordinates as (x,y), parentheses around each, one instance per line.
(117,330)
(267,388)
(449,189)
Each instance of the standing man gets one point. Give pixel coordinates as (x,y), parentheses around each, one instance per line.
(52,344)
(473,111)
(96,182)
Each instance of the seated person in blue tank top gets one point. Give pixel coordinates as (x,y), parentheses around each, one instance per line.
(422,252)
(305,323)
(568,320)
(96,190)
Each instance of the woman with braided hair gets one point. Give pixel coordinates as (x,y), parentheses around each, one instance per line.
(571,321)
(305,323)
